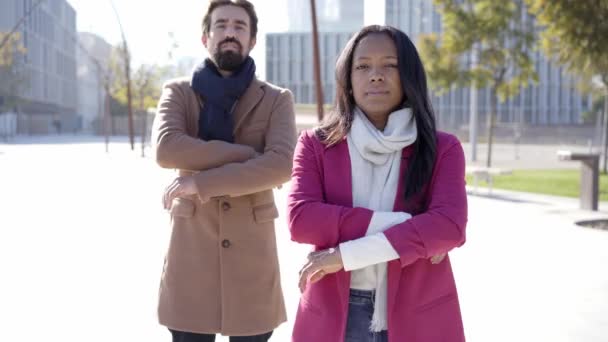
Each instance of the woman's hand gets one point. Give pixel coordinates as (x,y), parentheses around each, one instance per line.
(329,261)
(320,264)
(437,258)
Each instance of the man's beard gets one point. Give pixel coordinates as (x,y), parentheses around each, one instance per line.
(229,60)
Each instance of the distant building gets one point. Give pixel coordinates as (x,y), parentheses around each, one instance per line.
(289,63)
(332,15)
(289,58)
(555,100)
(49,101)
(91,83)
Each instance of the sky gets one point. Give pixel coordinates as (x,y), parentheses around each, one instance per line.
(147,24)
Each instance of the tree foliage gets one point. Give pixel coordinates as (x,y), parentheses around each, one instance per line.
(12,78)
(494,32)
(145,82)
(575,33)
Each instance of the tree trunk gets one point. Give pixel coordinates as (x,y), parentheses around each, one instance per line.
(491,118)
(129,98)
(605,135)
(143,134)
(316,61)
(144,124)
(106,119)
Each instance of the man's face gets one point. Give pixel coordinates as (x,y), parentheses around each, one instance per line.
(229,39)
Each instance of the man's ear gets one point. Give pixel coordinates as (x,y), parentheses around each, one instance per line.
(205,40)
(252,43)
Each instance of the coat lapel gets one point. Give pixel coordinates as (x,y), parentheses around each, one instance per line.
(394,267)
(244,106)
(338,175)
(337,179)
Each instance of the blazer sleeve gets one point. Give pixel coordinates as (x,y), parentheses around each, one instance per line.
(442,226)
(311,219)
(266,171)
(175,149)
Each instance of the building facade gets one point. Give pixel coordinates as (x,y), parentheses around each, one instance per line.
(555,100)
(332,15)
(289,55)
(289,63)
(93,50)
(48,98)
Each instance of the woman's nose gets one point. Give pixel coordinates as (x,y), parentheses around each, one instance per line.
(376,76)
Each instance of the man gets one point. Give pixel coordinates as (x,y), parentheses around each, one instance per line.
(232,138)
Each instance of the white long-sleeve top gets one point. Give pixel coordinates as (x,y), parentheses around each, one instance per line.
(360,255)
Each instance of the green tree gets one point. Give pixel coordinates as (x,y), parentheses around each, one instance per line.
(575,34)
(145,84)
(489,33)
(12,79)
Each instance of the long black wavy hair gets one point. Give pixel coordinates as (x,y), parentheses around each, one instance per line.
(413,82)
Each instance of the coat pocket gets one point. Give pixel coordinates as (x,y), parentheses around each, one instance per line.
(265,213)
(182,207)
(436,302)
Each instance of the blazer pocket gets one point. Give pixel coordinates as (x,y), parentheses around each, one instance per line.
(436,302)
(182,207)
(265,213)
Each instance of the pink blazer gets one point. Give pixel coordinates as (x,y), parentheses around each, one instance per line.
(422,298)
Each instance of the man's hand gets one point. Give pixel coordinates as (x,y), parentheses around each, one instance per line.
(320,264)
(181,186)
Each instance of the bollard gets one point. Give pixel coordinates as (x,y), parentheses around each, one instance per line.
(590,174)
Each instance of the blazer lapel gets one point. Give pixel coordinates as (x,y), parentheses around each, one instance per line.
(252,96)
(394,267)
(337,179)
(338,175)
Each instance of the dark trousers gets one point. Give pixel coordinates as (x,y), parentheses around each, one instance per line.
(181,336)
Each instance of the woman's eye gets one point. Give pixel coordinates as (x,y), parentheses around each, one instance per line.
(361,67)
(392,66)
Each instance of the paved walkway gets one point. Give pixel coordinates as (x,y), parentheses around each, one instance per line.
(82,239)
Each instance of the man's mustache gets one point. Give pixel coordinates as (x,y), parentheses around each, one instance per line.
(231,40)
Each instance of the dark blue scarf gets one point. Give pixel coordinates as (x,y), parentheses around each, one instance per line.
(219,94)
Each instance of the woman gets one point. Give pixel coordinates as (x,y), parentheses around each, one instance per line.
(381,195)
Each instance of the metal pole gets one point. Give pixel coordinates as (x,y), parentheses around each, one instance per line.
(317,69)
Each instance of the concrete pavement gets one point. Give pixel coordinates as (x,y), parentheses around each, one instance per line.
(83,235)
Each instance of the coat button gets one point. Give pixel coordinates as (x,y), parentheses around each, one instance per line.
(226,206)
(226,243)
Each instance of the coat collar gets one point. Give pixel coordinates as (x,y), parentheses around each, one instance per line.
(244,106)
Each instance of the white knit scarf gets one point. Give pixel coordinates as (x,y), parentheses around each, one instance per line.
(375,163)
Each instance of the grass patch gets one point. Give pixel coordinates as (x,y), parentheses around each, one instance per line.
(548,182)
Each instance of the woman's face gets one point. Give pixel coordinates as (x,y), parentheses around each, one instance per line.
(375,78)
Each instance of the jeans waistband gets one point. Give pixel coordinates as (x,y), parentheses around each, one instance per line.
(369,294)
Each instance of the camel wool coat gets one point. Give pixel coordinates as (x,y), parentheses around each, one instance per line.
(221,273)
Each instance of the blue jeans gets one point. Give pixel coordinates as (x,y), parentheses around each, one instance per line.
(360,312)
